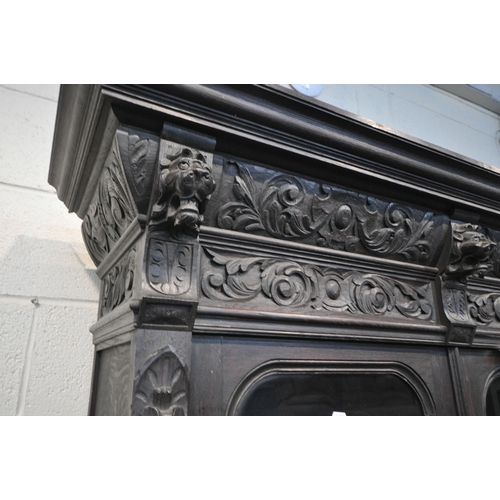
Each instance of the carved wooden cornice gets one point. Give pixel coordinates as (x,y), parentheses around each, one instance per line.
(272,125)
(234,199)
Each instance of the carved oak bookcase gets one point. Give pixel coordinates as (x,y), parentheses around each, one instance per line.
(261,253)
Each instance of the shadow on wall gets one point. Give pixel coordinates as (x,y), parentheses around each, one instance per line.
(53,269)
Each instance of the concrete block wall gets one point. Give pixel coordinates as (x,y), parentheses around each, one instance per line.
(48,288)
(424,112)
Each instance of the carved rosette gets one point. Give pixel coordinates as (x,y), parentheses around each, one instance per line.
(161,388)
(111,211)
(118,283)
(285,207)
(185,186)
(290,284)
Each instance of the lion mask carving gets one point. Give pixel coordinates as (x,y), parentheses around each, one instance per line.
(471,251)
(186,184)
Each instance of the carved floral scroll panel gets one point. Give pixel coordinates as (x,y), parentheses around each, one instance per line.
(261,201)
(280,283)
(111,211)
(123,191)
(194,189)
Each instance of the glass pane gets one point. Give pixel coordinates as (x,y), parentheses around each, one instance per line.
(322,394)
(493,398)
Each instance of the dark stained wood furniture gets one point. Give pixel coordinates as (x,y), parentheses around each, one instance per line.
(261,253)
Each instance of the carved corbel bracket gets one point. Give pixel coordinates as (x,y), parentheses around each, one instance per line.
(183,186)
(170,179)
(148,212)
(170,285)
(461,328)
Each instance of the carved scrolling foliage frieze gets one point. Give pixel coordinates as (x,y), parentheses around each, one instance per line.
(463,306)
(285,207)
(484,308)
(292,284)
(117,284)
(161,388)
(185,186)
(111,211)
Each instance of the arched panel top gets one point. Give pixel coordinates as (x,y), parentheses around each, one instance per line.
(491,399)
(307,388)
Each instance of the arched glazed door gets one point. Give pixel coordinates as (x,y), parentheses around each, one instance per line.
(323,389)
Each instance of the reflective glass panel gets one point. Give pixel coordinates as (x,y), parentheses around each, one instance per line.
(493,398)
(321,394)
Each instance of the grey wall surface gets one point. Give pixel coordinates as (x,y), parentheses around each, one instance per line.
(425,112)
(48,288)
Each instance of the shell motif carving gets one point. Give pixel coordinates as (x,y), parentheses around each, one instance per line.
(284,207)
(161,388)
(290,284)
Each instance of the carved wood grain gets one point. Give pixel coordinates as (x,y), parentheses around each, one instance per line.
(293,208)
(113,385)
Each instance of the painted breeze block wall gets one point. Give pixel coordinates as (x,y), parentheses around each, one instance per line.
(48,287)
(425,112)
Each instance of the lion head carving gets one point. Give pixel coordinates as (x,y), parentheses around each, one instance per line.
(470,252)
(186,184)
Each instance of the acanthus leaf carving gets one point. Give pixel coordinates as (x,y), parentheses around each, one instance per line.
(291,284)
(401,234)
(111,211)
(285,207)
(117,284)
(139,152)
(455,302)
(484,308)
